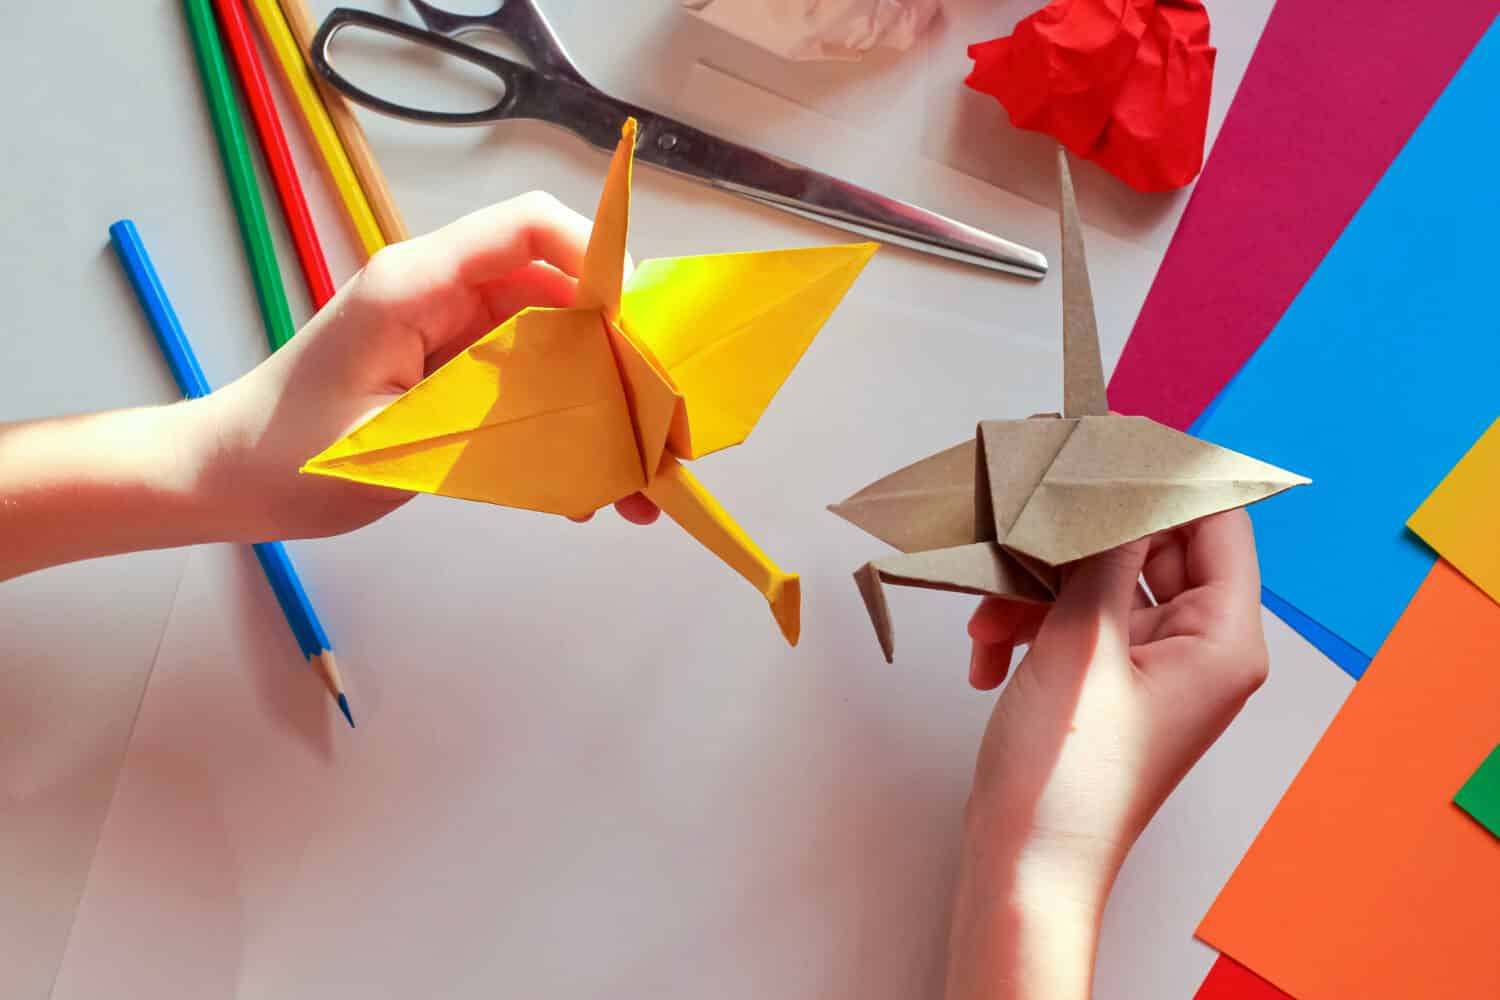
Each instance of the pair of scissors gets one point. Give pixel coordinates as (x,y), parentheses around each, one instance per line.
(552,89)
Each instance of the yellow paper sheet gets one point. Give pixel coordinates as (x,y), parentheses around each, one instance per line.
(566,410)
(1458,519)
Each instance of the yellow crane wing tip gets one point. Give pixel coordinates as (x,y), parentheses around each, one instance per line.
(728,329)
(315,467)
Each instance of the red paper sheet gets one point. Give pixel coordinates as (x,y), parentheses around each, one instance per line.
(1229,980)
(1330,96)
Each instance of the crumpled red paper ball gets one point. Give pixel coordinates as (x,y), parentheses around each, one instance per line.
(1124,83)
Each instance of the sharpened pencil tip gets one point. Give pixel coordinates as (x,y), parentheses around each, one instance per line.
(344,707)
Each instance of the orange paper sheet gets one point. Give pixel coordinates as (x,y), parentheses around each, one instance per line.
(1367,881)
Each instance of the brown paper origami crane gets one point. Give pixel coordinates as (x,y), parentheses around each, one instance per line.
(997,515)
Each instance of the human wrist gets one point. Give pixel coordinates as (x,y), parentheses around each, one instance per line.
(150,465)
(191,481)
(1024,926)
(1081,863)
(1041,872)
(145,470)
(252,451)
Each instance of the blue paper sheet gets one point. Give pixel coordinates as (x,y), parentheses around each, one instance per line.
(1381,374)
(1340,652)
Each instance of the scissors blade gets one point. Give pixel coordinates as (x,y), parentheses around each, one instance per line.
(857,210)
(802,191)
(664,142)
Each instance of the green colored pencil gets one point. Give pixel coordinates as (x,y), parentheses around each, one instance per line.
(234,150)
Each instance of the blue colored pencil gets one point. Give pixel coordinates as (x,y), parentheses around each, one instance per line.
(273,557)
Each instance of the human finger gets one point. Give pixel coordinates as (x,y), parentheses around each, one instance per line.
(638,509)
(429,279)
(1141,598)
(999,620)
(1147,623)
(535,284)
(1165,568)
(1096,599)
(988,664)
(1220,552)
(1106,582)
(1227,672)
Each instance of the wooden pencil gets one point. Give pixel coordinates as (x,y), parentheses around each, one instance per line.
(356,145)
(311,637)
(275,561)
(234,151)
(278,156)
(300,81)
(275,313)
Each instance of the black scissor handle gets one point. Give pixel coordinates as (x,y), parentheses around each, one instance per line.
(512,75)
(521,21)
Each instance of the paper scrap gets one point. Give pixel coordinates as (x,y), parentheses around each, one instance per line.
(1381,373)
(1229,980)
(1366,881)
(566,410)
(820,29)
(1299,151)
(1124,84)
(1000,514)
(1458,519)
(1480,795)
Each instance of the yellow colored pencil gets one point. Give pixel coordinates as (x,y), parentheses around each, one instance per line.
(299,79)
(355,144)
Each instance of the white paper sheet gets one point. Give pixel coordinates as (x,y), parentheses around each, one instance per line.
(76,647)
(544,798)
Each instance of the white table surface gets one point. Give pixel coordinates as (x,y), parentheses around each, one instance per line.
(586,764)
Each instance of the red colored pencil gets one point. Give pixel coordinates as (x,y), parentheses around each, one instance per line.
(278,155)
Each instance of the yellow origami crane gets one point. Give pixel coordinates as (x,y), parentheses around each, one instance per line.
(566,410)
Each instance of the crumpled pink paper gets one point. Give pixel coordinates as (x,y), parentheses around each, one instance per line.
(820,29)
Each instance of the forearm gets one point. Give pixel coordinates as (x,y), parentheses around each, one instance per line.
(1024,927)
(99,484)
